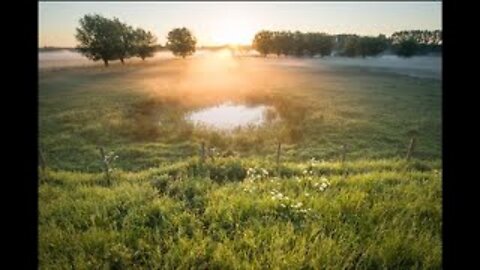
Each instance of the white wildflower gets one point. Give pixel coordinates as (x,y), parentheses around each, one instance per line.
(297,205)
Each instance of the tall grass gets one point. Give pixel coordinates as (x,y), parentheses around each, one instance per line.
(232,214)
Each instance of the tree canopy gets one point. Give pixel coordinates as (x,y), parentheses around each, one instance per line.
(181,42)
(288,43)
(144,43)
(263,42)
(106,39)
(99,38)
(403,43)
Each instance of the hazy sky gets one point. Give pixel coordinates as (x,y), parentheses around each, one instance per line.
(236,22)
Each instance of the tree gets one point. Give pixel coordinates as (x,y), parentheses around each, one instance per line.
(144,43)
(262,42)
(276,43)
(406,48)
(299,43)
(181,42)
(127,39)
(371,46)
(287,43)
(351,46)
(318,43)
(99,38)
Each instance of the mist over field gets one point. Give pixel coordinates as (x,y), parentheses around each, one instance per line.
(417,66)
(297,136)
(337,185)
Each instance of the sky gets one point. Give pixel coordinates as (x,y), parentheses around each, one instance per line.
(218,23)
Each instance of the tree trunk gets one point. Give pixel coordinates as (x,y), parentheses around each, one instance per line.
(143,58)
(105,61)
(121,60)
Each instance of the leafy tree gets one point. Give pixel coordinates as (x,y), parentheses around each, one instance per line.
(100,38)
(426,41)
(276,43)
(406,48)
(144,43)
(319,43)
(286,43)
(128,39)
(326,45)
(371,46)
(181,42)
(262,42)
(299,43)
(351,46)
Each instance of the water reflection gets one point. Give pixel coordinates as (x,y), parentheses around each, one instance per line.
(228,116)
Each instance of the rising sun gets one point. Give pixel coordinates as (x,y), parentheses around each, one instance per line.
(231,31)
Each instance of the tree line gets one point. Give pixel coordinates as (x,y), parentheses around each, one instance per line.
(288,43)
(107,39)
(407,43)
(403,43)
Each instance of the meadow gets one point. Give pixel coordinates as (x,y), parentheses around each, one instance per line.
(162,207)
(321,107)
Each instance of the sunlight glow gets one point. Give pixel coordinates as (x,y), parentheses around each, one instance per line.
(233,31)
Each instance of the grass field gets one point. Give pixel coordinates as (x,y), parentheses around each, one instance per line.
(163,208)
(322,108)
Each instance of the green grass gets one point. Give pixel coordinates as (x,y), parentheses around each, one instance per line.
(120,108)
(374,214)
(163,209)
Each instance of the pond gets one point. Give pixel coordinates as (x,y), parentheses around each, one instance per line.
(228,116)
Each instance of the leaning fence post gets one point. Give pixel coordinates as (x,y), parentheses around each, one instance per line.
(411,148)
(279,149)
(413,142)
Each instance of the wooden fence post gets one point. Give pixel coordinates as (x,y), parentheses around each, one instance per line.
(279,149)
(411,147)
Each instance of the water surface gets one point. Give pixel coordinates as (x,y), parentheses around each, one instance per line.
(228,116)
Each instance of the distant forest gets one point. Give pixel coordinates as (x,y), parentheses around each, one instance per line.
(402,43)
